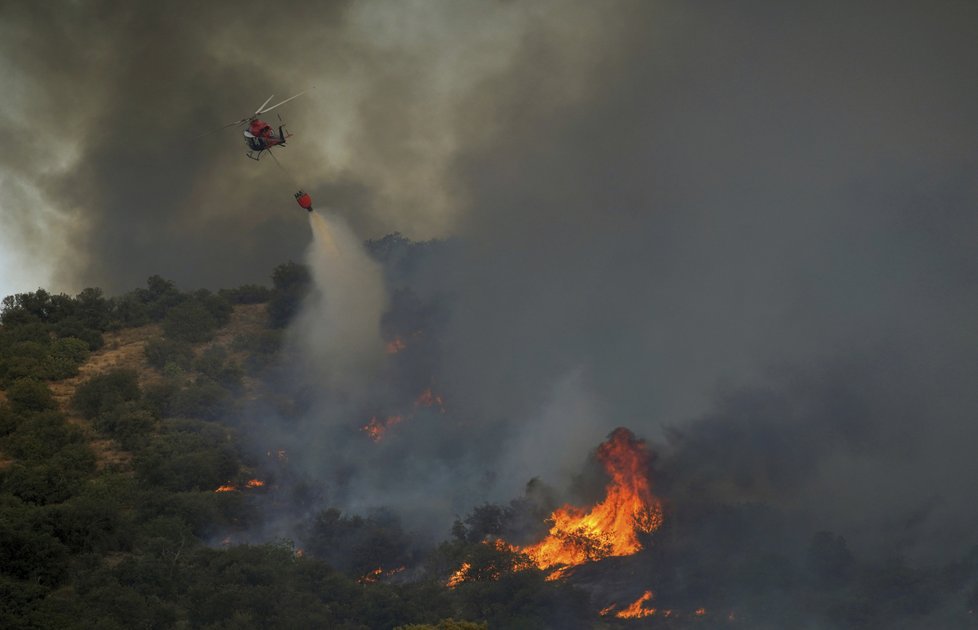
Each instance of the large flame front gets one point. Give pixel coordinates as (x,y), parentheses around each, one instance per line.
(611,527)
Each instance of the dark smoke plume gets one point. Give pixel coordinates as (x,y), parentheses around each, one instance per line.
(753,224)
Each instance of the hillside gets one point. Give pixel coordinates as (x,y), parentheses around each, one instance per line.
(122,471)
(166,462)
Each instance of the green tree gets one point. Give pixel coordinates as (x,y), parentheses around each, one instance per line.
(189,321)
(159,352)
(291,283)
(104,392)
(27,394)
(159,297)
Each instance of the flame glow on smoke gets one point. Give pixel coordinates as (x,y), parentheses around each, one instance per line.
(376,428)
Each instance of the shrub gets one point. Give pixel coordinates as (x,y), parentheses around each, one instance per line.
(261,347)
(247,294)
(186,461)
(40,435)
(75,328)
(129,311)
(190,321)
(130,423)
(27,394)
(205,399)
(53,481)
(291,282)
(160,352)
(103,392)
(218,306)
(28,554)
(215,365)
(159,297)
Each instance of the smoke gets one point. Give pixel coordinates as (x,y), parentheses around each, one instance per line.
(337,332)
(104,132)
(752,226)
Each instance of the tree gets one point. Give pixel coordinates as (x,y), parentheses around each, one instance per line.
(160,352)
(159,297)
(27,394)
(103,392)
(189,321)
(291,283)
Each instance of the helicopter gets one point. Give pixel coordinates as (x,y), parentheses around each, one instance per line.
(259,135)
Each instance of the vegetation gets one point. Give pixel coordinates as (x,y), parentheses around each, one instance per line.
(125,503)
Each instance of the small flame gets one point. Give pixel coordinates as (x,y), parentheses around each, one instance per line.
(371,577)
(376,428)
(377,574)
(227,488)
(700,612)
(636,611)
(254,483)
(430,399)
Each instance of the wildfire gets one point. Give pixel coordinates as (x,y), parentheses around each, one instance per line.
(459,576)
(636,610)
(376,428)
(611,527)
(395,345)
(230,487)
(378,573)
(430,399)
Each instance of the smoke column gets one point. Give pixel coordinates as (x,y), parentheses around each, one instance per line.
(337,332)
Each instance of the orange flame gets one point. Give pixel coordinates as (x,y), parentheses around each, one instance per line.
(375,575)
(254,483)
(371,577)
(227,488)
(635,610)
(699,612)
(376,428)
(611,527)
(459,576)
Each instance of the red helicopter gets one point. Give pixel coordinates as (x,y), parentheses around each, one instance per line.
(259,136)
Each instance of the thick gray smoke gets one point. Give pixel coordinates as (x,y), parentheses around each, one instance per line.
(107,180)
(751,223)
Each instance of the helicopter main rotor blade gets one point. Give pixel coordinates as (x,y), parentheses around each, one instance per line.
(212,131)
(268,109)
(259,110)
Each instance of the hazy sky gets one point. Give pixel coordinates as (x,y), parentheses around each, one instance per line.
(661,205)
